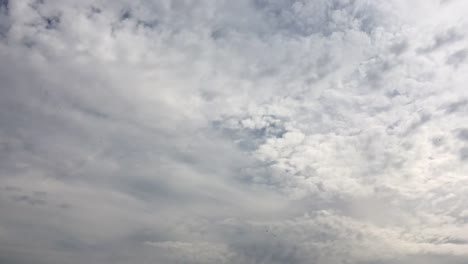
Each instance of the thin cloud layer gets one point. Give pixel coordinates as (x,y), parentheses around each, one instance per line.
(266,131)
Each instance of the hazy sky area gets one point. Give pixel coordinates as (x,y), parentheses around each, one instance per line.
(234,131)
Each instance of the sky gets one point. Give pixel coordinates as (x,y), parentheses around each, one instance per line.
(233,132)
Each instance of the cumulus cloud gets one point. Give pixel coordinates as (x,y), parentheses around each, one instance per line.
(250,131)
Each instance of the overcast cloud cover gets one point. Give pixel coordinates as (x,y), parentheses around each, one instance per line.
(235,132)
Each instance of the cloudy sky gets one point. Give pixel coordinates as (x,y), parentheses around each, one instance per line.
(233,132)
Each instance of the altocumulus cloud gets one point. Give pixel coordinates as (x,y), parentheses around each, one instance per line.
(249,131)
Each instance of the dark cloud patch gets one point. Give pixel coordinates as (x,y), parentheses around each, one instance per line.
(458,106)
(95,10)
(463,154)
(15,256)
(130,16)
(5,22)
(374,73)
(52,22)
(150,24)
(252,131)
(438,141)
(151,190)
(75,245)
(41,194)
(12,189)
(218,34)
(126,15)
(270,251)
(399,47)
(423,119)
(457,57)
(5,4)
(143,235)
(455,241)
(37,3)
(303,18)
(263,244)
(65,206)
(443,39)
(92,112)
(31,200)
(393,93)
(427,259)
(463,134)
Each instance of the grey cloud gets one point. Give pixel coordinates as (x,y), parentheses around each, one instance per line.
(5,23)
(28,199)
(5,4)
(442,39)
(438,141)
(463,134)
(464,153)
(423,118)
(399,47)
(457,106)
(231,132)
(446,38)
(457,57)
(52,22)
(12,189)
